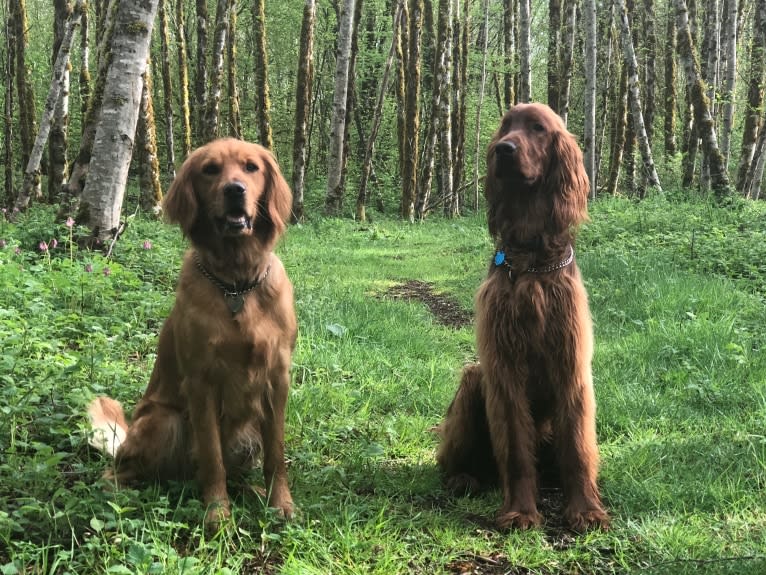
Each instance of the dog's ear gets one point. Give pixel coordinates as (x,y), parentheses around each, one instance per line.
(567,181)
(276,203)
(180,204)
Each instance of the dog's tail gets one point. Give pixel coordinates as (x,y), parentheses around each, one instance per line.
(108,423)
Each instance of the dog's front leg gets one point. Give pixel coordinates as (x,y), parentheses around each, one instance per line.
(274,468)
(206,441)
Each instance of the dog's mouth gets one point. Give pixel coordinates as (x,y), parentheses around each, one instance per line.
(236,222)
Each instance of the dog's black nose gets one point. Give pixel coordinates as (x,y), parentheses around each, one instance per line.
(505,149)
(234,191)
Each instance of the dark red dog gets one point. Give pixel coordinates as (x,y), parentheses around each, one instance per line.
(532,389)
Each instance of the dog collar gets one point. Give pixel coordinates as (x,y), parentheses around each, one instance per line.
(501,259)
(232,294)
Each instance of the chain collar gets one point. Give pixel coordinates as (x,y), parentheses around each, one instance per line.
(501,259)
(235,297)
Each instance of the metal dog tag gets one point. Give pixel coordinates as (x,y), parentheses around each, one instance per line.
(235,302)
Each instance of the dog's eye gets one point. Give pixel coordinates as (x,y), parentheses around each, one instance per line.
(251,167)
(211,169)
(538,127)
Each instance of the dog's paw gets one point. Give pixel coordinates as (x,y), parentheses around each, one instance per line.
(582,520)
(518,519)
(217,516)
(284,508)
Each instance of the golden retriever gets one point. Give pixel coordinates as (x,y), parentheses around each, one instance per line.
(531,392)
(215,403)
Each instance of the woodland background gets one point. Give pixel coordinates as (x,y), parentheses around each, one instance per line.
(372,101)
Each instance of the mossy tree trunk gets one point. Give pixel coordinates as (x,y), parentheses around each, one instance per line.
(670,98)
(212,122)
(302,107)
(649,66)
(167,87)
(441,83)
(334,196)
(590,26)
(147,160)
(719,179)
(554,43)
(412,113)
(509,53)
(26,98)
(728,94)
(566,59)
(201,71)
(754,97)
(57,145)
(650,173)
(525,51)
(263,102)
(235,119)
(183,79)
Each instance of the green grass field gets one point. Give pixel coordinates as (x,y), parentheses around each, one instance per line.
(677,292)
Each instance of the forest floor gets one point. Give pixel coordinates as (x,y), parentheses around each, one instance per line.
(677,291)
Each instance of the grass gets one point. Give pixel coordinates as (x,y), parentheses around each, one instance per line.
(677,291)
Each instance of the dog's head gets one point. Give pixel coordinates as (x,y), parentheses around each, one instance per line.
(230,189)
(535,171)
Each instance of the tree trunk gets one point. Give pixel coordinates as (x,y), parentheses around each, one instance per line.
(719,179)
(589,121)
(27,127)
(482,84)
(401,83)
(31,187)
(567,59)
(167,88)
(525,51)
(113,143)
(71,193)
(263,102)
(670,85)
(8,136)
(200,80)
(302,107)
(755,174)
(334,197)
(554,51)
(412,113)
(754,95)
(509,51)
(183,80)
(212,113)
(235,119)
(619,128)
(351,102)
(84,79)
(361,199)
(459,87)
(652,179)
(730,75)
(146,151)
(57,147)
(443,75)
(650,67)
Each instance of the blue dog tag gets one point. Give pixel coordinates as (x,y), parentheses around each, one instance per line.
(499,257)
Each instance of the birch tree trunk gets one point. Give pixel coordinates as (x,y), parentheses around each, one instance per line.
(302,106)
(84,79)
(31,186)
(183,80)
(334,197)
(730,75)
(754,95)
(719,179)
(213,111)
(361,199)
(200,80)
(670,98)
(401,82)
(459,111)
(567,60)
(755,173)
(525,51)
(351,100)
(57,147)
(263,102)
(650,67)
(71,193)
(167,87)
(650,172)
(482,85)
(589,121)
(235,119)
(554,51)
(114,140)
(443,75)
(412,113)
(509,51)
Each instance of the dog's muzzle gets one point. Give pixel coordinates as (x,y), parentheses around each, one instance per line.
(236,219)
